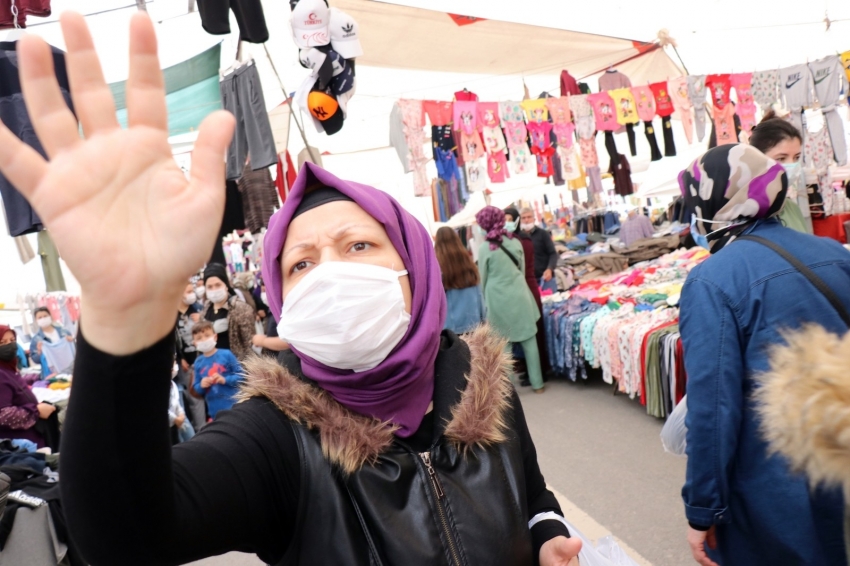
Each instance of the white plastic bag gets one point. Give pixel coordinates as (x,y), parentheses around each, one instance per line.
(674,432)
(606,553)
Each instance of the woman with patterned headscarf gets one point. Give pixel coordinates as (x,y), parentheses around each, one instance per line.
(510,305)
(743,504)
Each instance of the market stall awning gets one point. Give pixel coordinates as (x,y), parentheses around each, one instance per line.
(414,38)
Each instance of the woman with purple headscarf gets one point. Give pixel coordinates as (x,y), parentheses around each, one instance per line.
(377,439)
(511,308)
(744,505)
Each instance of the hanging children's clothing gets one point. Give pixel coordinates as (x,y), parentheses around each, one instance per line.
(718,88)
(476,175)
(645,101)
(559,110)
(613,79)
(796,85)
(580,106)
(569,163)
(746,107)
(604,111)
(494,139)
(466,116)
(511,112)
(845,61)
(696,92)
(465,96)
(678,89)
(569,86)
(413,116)
(544,160)
(540,135)
(724,123)
(664,108)
(471,146)
(565,134)
(589,156)
(766,88)
(497,167)
(830,83)
(585,127)
(438,112)
(536,110)
(488,114)
(625,106)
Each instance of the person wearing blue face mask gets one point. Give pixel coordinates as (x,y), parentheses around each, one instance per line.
(782,142)
(744,505)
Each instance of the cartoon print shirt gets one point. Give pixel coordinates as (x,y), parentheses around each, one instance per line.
(497,167)
(494,140)
(517,134)
(625,106)
(476,175)
(540,135)
(645,102)
(544,160)
(471,146)
(466,116)
(488,114)
(511,112)
(559,110)
(604,111)
(565,134)
(663,102)
(724,123)
(742,83)
(536,110)
(718,89)
(845,60)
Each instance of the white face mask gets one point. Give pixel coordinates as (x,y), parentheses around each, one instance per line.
(45,321)
(205,346)
(217,296)
(526,227)
(264,298)
(200,292)
(174,371)
(346,315)
(189,299)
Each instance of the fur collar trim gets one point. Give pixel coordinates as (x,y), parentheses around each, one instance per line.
(349,440)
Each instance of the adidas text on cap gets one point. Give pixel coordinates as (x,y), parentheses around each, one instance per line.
(345,34)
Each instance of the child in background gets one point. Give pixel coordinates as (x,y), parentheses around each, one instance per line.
(176,414)
(217,372)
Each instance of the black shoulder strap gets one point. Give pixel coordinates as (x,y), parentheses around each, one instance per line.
(510,255)
(810,275)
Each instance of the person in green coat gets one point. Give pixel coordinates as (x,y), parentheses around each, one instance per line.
(511,309)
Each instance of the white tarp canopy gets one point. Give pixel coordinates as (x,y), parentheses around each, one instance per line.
(518,43)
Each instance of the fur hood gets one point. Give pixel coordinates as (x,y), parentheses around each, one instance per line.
(349,440)
(804,404)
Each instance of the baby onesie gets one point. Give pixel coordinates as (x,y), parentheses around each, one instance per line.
(766,88)
(604,111)
(796,85)
(535,110)
(682,103)
(696,92)
(625,106)
(559,110)
(830,82)
(466,116)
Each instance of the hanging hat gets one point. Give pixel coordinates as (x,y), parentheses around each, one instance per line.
(345,34)
(310,22)
(324,107)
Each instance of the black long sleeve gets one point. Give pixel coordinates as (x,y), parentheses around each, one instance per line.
(131,499)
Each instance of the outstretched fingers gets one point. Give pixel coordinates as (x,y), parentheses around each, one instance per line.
(92,97)
(20,163)
(53,121)
(214,136)
(145,85)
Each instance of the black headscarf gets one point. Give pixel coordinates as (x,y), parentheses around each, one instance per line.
(220,271)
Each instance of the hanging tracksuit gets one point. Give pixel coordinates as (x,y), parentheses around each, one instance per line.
(830,81)
(696,90)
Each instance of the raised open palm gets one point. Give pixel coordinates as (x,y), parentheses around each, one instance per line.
(126,220)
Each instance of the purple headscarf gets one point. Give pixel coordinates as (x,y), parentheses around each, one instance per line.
(401,387)
(492,221)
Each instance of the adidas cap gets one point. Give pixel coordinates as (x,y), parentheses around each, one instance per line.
(345,34)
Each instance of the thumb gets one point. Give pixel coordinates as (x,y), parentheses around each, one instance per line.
(214,136)
(568,548)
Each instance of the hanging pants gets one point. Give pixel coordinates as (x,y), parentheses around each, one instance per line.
(669,144)
(242,96)
(532,361)
(649,130)
(630,131)
(611,147)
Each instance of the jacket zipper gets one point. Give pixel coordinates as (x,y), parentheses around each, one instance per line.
(439,495)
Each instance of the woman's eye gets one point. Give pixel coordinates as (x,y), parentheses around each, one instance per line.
(299,266)
(360,247)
